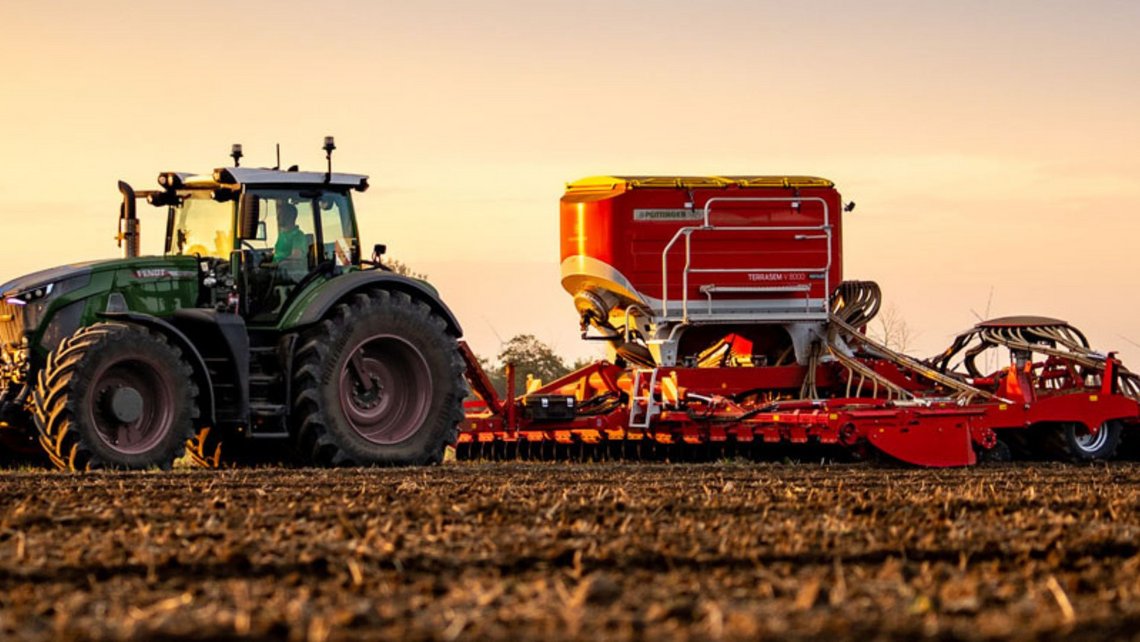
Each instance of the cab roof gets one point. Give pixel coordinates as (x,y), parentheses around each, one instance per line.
(260,177)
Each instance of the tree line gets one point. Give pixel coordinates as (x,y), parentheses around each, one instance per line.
(532,358)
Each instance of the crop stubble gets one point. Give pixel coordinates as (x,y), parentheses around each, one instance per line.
(557,551)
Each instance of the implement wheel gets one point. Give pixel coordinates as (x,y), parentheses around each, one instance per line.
(1079,444)
(379,382)
(114,395)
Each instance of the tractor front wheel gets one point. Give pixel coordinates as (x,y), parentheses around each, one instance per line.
(114,395)
(379,382)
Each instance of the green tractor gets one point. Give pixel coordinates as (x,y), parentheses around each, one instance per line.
(261,325)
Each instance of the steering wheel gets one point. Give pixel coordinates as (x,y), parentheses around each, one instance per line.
(261,255)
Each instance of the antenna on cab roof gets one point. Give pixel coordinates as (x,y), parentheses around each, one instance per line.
(278,165)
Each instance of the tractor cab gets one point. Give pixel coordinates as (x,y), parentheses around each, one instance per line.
(261,235)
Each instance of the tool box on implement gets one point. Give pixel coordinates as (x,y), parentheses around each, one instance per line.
(730,331)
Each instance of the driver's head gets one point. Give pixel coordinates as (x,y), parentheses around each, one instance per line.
(286,214)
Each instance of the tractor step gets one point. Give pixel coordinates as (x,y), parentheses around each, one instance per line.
(268,410)
(267,420)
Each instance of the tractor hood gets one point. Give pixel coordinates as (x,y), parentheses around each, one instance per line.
(142,267)
(46,277)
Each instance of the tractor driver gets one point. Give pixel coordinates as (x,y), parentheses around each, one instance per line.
(292,244)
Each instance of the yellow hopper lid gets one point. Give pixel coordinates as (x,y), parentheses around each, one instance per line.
(593,183)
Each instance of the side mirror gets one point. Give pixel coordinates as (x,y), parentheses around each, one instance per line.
(378,251)
(249,218)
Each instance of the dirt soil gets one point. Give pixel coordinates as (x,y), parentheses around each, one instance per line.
(573,551)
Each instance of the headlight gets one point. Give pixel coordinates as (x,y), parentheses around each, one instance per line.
(37,300)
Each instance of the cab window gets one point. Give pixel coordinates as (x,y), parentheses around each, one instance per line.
(338,236)
(203,227)
(285,235)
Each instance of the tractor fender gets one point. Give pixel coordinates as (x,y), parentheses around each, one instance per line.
(332,292)
(193,357)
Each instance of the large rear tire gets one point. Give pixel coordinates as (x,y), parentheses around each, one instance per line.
(378,382)
(114,395)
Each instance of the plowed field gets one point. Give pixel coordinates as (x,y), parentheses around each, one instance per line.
(573,551)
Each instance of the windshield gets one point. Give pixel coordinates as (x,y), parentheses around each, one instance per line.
(203,227)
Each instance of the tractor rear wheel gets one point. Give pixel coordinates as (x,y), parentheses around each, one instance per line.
(378,382)
(114,395)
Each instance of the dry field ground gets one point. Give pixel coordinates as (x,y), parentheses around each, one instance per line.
(573,551)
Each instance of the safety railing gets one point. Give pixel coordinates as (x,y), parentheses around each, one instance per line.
(822,231)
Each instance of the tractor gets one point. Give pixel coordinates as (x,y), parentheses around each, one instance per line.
(260,326)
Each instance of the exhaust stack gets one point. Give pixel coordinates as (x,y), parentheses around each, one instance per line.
(128,222)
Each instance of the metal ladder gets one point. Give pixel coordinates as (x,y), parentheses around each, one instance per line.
(652,408)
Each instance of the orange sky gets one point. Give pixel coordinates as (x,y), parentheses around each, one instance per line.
(989,146)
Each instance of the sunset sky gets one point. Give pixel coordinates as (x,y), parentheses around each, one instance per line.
(993,148)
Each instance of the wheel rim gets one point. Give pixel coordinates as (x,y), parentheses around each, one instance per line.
(131,405)
(1088,442)
(392,406)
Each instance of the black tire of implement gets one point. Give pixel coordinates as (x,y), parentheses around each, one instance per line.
(322,433)
(1063,441)
(999,454)
(65,383)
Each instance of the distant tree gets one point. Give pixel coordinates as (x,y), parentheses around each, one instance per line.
(533,357)
(582,362)
(401,268)
(530,356)
(891,329)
